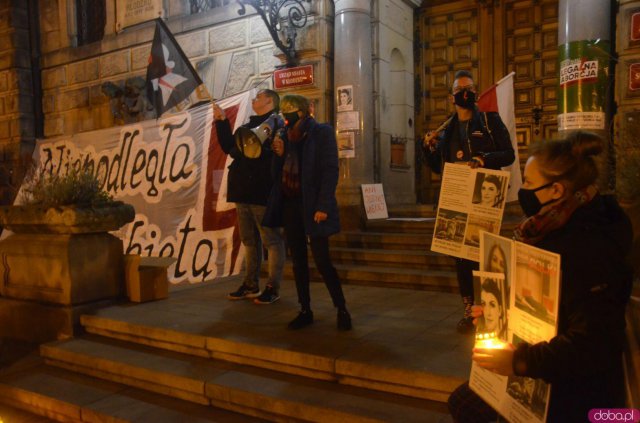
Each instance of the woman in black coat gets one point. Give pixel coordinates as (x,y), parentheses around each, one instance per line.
(567,216)
(303,201)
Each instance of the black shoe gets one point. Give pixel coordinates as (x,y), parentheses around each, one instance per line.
(465,325)
(344,320)
(244,292)
(268,296)
(303,319)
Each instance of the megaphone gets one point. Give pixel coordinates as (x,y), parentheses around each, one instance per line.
(249,140)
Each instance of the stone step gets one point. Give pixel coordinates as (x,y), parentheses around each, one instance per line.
(67,396)
(411,210)
(442,279)
(411,225)
(381,240)
(402,342)
(408,259)
(243,389)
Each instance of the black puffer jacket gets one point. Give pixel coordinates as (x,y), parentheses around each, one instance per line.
(583,362)
(249,180)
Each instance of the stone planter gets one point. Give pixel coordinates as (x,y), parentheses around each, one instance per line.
(59,261)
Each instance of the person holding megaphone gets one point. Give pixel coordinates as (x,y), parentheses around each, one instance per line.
(248,185)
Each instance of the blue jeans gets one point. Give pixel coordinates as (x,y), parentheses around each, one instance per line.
(253,235)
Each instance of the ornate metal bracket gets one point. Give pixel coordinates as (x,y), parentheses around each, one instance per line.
(269,11)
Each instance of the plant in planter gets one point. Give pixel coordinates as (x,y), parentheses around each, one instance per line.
(60,258)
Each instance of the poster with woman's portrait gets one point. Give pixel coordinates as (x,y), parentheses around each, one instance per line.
(490,190)
(345,98)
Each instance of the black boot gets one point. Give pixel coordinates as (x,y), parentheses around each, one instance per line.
(303,319)
(465,325)
(344,320)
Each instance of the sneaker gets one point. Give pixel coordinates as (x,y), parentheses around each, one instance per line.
(344,320)
(465,325)
(303,319)
(268,296)
(244,292)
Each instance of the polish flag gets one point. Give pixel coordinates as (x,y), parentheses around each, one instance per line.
(499,98)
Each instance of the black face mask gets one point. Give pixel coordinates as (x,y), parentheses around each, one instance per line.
(529,201)
(465,99)
(290,119)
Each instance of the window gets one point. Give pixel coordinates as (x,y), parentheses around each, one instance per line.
(198,6)
(91,18)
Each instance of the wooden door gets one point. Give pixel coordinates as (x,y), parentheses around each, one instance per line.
(491,39)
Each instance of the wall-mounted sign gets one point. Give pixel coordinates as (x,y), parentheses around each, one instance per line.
(293,77)
(132,12)
(635,27)
(346,146)
(634,76)
(347,121)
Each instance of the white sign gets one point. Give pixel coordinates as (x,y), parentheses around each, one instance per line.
(374,203)
(132,12)
(471,201)
(581,120)
(348,121)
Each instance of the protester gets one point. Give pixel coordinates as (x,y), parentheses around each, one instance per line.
(592,235)
(303,200)
(248,185)
(481,140)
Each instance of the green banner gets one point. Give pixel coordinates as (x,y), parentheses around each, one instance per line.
(584,70)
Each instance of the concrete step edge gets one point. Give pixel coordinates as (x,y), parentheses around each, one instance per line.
(225,386)
(423,384)
(67,396)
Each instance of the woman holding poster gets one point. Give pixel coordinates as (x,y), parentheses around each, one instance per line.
(567,216)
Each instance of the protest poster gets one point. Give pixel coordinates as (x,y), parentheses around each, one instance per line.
(174,172)
(471,201)
(519,288)
(375,204)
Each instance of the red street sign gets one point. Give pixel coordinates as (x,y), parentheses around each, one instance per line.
(635,27)
(293,77)
(634,76)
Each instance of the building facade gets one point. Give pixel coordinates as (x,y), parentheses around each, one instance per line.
(398,57)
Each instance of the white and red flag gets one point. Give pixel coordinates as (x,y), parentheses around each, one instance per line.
(499,98)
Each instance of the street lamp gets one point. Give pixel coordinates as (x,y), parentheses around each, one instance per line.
(269,11)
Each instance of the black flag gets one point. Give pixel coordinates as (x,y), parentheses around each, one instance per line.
(172,83)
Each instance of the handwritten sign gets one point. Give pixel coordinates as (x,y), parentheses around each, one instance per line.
(374,202)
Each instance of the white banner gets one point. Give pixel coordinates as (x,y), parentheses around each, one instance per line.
(173,171)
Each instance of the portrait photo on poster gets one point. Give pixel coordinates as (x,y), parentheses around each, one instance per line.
(345,98)
(490,190)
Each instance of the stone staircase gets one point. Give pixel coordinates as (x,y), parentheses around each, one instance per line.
(195,357)
(395,252)
(199,357)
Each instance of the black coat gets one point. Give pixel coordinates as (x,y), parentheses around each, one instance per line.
(249,180)
(494,145)
(318,181)
(583,362)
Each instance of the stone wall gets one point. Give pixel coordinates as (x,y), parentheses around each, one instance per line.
(17,123)
(230,52)
(627,120)
(394,110)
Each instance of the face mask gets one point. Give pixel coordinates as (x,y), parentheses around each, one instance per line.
(291,118)
(465,99)
(529,201)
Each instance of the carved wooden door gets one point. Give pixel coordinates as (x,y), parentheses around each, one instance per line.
(491,39)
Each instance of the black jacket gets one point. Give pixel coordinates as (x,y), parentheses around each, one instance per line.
(583,362)
(249,180)
(494,145)
(318,181)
